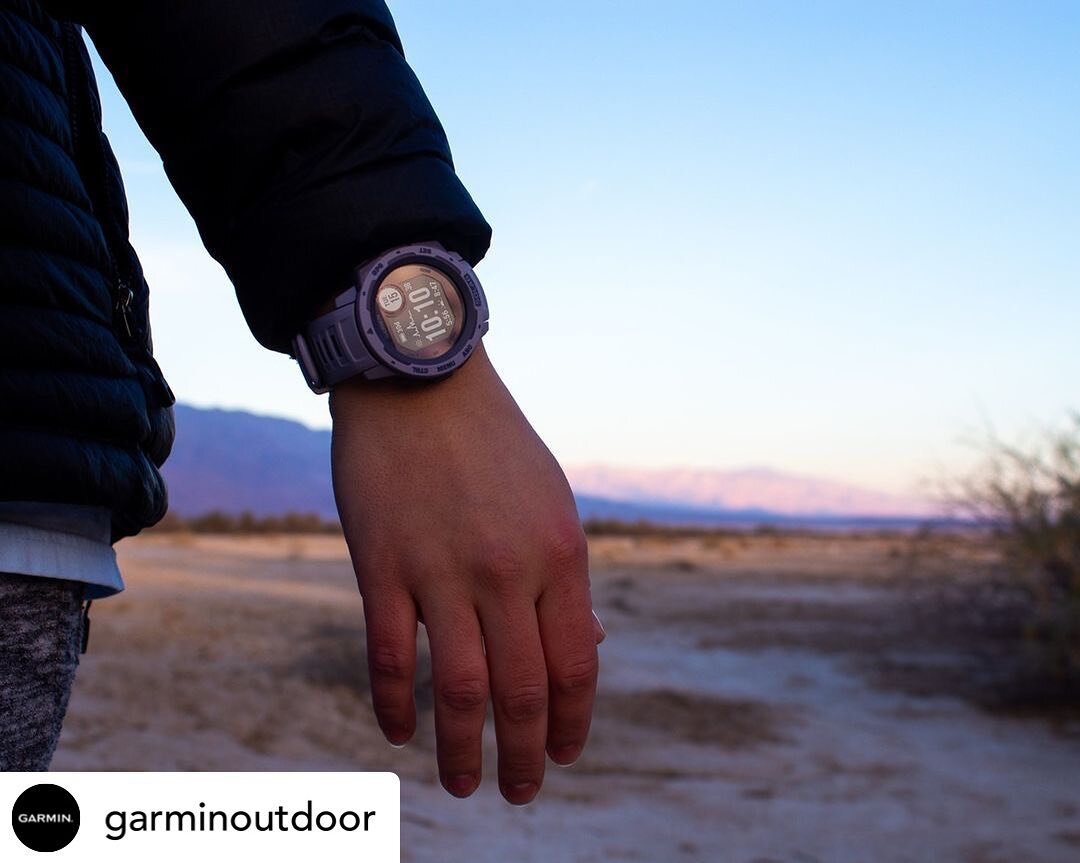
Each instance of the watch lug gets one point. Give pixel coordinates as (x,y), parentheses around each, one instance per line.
(379,372)
(345,298)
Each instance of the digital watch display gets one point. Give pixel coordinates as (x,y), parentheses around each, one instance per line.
(419,310)
(415,311)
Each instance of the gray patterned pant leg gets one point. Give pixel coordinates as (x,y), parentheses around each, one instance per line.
(40,641)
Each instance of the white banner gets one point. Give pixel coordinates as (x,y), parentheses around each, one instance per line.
(200,817)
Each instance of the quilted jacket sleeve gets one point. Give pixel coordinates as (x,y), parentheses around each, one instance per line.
(295,133)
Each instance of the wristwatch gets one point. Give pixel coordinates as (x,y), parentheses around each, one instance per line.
(415,311)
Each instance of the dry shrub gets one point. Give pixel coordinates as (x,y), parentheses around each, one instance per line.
(1028,497)
(651,530)
(246,522)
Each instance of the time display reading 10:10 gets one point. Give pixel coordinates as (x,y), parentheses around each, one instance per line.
(420,309)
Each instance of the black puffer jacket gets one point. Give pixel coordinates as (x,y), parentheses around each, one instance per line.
(297,137)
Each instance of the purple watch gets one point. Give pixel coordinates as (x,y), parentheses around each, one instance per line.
(414,311)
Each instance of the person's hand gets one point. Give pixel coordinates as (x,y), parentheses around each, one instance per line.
(458,516)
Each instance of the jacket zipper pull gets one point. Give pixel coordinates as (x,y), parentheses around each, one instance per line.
(86,625)
(123,303)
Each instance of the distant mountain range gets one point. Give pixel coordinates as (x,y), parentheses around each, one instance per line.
(756,489)
(235,461)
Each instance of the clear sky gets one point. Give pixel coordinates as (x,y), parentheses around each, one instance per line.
(836,238)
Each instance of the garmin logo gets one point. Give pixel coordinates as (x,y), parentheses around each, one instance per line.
(45,818)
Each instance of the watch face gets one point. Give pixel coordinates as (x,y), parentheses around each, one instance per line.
(420,311)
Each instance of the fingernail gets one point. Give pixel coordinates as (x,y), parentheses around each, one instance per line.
(398,737)
(461,784)
(566,755)
(521,792)
(603,632)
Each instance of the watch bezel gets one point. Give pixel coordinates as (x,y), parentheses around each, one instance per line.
(473,303)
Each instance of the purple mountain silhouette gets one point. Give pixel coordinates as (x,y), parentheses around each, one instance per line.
(764,489)
(235,461)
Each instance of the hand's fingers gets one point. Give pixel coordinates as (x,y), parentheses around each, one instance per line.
(601,633)
(519,695)
(568,629)
(460,682)
(391,651)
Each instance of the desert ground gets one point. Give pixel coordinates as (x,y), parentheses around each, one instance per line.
(762,698)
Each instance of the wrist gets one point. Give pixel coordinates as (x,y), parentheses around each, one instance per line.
(409,396)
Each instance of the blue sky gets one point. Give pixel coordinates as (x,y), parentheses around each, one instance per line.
(835,238)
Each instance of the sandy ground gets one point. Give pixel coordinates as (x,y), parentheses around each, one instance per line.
(761,699)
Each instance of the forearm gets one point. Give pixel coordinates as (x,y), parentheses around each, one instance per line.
(296,135)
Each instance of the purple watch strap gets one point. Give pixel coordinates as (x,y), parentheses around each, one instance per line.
(331,350)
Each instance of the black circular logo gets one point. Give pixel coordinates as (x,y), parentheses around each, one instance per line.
(45,818)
